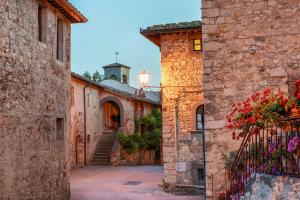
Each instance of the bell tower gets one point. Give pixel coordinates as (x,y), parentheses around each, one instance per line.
(118,72)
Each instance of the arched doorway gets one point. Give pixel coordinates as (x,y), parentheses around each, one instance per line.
(111,116)
(112,113)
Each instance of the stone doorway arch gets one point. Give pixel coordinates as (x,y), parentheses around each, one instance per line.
(115,117)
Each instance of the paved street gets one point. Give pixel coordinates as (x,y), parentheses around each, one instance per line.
(120,183)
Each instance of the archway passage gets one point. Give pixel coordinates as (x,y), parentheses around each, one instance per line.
(111,115)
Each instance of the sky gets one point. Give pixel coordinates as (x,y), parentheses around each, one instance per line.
(114,25)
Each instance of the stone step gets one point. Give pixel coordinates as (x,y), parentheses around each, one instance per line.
(102,153)
(100,163)
(105,144)
(101,157)
(103,149)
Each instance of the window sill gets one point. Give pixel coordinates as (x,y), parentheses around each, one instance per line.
(42,44)
(196,131)
(59,62)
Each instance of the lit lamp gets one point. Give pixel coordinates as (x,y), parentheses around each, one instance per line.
(144,78)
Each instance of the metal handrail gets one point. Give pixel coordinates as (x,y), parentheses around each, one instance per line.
(256,154)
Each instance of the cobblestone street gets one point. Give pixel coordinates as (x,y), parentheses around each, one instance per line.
(120,183)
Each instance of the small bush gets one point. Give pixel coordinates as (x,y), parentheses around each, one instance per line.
(129,142)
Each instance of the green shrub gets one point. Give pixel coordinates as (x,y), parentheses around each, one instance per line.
(129,142)
(150,139)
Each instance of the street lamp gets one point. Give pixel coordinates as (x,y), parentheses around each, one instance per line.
(144,78)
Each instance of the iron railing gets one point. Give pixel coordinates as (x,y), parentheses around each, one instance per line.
(267,151)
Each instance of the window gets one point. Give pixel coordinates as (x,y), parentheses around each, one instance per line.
(201,174)
(197,46)
(42,23)
(72,96)
(200,118)
(59,40)
(113,77)
(60,129)
(125,80)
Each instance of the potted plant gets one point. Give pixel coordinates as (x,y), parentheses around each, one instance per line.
(115,117)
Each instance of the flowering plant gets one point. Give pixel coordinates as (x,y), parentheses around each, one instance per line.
(260,110)
(293,144)
(297,93)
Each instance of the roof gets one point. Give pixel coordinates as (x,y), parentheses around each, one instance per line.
(116,65)
(124,90)
(173,26)
(153,32)
(67,9)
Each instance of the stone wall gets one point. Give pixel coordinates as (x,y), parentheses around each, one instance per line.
(248,45)
(34,92)
(267,187)
(182,94)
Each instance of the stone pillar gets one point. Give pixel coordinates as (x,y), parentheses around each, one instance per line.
(248,45)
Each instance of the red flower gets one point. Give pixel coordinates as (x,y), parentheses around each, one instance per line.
(230,126)
(297,83)
(229,119)
(267,91)
(298,96)
(283,102)
(251,120)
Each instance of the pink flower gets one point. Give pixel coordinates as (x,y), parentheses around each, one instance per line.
(293,144)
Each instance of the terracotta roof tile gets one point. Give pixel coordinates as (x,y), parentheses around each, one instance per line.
(68,10)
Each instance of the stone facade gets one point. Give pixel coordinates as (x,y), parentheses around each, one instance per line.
(34,104)
(181,69)
(96,95)
(248,45)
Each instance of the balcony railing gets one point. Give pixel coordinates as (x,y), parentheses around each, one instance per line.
(273,151)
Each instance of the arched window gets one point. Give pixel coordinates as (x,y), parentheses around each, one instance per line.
(200,118)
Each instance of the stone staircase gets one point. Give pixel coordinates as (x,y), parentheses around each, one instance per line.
(103,149)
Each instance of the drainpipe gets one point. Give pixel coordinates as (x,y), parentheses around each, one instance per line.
(176,136)
(204,158)
(84,119)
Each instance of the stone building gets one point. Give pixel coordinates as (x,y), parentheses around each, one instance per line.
(34,98)
(98,112)
(182,100)
(247,45)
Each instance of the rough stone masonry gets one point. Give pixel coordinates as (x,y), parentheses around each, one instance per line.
(248,45)
(34,102)
(181,68)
